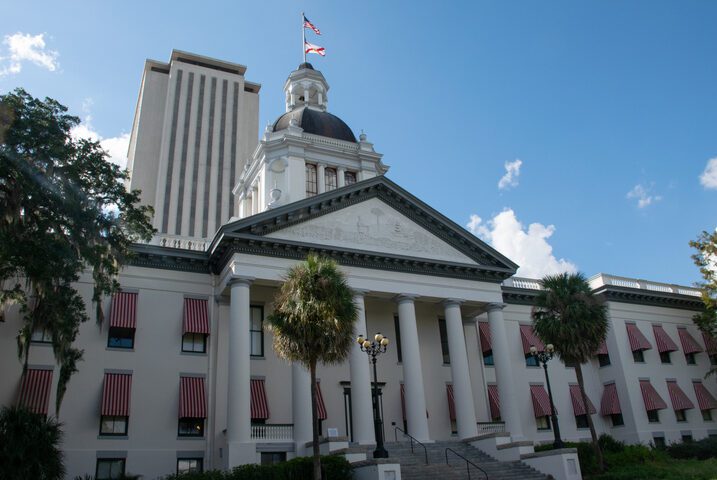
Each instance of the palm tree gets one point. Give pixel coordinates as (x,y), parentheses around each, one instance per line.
(313,322)
(29,446)
(567,315)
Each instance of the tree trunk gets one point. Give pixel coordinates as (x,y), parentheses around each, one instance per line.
(315,424)
(593,434)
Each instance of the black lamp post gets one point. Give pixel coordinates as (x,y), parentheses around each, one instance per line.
(374,349)
(544,357)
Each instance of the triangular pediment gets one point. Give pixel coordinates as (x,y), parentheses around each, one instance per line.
(372,223)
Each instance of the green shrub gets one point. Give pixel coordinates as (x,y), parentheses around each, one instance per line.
(586,454)
(700,449)
(632,455)
(609,444)
(301,468)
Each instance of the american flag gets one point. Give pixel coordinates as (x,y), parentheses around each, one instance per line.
(311,48)
(308,24)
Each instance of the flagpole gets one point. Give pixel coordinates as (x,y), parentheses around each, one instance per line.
(303,37)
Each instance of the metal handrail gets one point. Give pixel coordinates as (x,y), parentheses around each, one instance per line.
(468,463)
(395,434)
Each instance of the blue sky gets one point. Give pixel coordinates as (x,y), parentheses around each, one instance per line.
(610,106)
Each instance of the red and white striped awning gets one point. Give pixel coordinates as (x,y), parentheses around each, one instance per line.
(602,349)
(528,336)
(704,398)
(192,398)
(485,340)
(35,390)
(637,339)
(663,340)
(259,403)
(577,400)
(678,397)
(610,403)
(116,394)
(123,313)
(320,405)
(653,400)
(710,343)
(403,403)
(494,401)
(451,402)
(541,401)
(689,344)
(196,316)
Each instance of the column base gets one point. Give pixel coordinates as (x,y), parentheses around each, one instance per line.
(240,454)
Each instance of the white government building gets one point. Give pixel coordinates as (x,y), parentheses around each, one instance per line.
(182,375)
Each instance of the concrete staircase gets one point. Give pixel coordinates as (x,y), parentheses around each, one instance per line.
(413,465)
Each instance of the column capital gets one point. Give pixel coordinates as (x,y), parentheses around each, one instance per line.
(240,281)
(359,292)
(451,302)
(492,307)
(405,297)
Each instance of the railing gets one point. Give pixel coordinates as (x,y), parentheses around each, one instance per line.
(520,282)
(468,463)
(603,279)
(491,427)
(395,434)
(272,432)
(184,243)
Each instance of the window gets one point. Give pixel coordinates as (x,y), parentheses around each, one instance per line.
(638,356)
(444,340)
(664,357)
(569,364)
(713,359)
(543,423)
(190,465)
(397,327)
(120,337)
(191,427)
(454,427)
(659,442)
(617,419)
(349,178)
(330,178)
(113,425)
(311,183)
(41,335)
(680,415)
(653,416)
(109,468)
(488,358)
(272,458)
(686,438)
(707,415)
(194,342)
(603,359)
(531,360)
(581,421)
(690,358)
(256,331)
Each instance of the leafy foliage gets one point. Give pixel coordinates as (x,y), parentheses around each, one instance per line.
(567,315)
(699,449)
(313,322)
(65,210)
(333,468)
(29,446)
(706,260)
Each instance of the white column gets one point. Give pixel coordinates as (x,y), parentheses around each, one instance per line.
(301,405)
(507,390)
(239,368)
(361,409)
(415,396)
(340,173)
(462,391)
(321,178)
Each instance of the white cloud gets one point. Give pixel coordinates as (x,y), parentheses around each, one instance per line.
(529,247)
(24,47)
(708,179)
(116,147)
(643,195)
(512,172)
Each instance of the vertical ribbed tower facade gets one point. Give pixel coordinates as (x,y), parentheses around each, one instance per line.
(196,124)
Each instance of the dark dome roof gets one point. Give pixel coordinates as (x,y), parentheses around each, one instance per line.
(316,122)
(305,66)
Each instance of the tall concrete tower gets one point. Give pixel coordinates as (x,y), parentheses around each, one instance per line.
(195,126)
